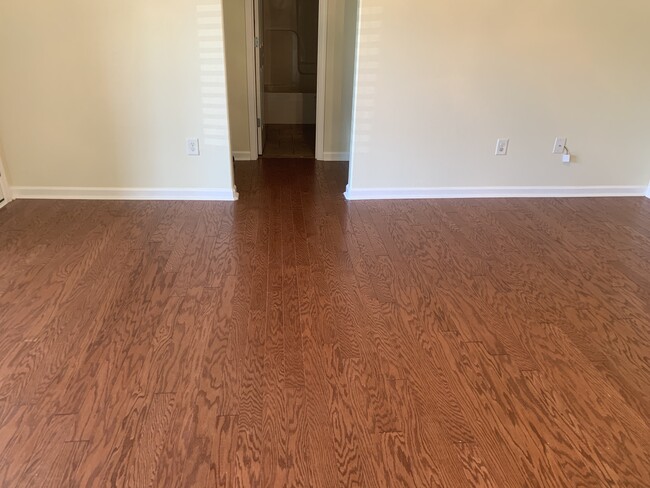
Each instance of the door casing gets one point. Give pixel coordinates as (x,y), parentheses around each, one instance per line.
(4,184)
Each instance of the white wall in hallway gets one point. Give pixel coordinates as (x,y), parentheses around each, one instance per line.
(440,81)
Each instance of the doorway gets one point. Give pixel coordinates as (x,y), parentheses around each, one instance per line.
(285,95)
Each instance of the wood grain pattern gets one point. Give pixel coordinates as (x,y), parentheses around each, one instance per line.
(296,339)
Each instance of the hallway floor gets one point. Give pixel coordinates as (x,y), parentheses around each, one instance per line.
(296,339)
(290,141)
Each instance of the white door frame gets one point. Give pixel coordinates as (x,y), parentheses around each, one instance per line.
(4,184)
(251,70)
(320,85)
(321,79)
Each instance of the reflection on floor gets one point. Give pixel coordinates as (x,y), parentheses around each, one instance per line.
(290,141)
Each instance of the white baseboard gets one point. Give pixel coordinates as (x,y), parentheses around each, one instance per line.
(4,202)
(336,156)
(647,192)
(81,193)
(493,192)
(244,156)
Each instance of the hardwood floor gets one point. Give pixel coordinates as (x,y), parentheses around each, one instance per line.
(296,339)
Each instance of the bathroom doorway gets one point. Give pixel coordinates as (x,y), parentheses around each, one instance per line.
(289,49)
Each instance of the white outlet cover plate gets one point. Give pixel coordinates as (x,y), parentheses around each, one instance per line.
(192,147)
(560,145)
(502,147)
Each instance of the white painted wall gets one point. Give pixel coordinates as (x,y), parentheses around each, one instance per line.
(440,81)
(102,95)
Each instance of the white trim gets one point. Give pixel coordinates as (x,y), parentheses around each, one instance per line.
(335,156)
(647,192)
(244,156)
(251,70)
(7,194)
(81,193)
(209,194)
(493,192)
(321,78)
(355,99)
(260,66)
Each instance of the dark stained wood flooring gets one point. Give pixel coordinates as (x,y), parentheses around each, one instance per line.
(296,339)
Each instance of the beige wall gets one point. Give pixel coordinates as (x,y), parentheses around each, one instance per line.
(104,93)
(339,74)
(440,81)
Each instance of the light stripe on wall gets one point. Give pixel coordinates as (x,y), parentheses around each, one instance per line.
(368,66)
(213,79)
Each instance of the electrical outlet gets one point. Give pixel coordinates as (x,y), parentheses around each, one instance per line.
(192,147)
(560,145)
(502,147)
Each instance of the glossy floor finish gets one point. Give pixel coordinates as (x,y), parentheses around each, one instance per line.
(295,339)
